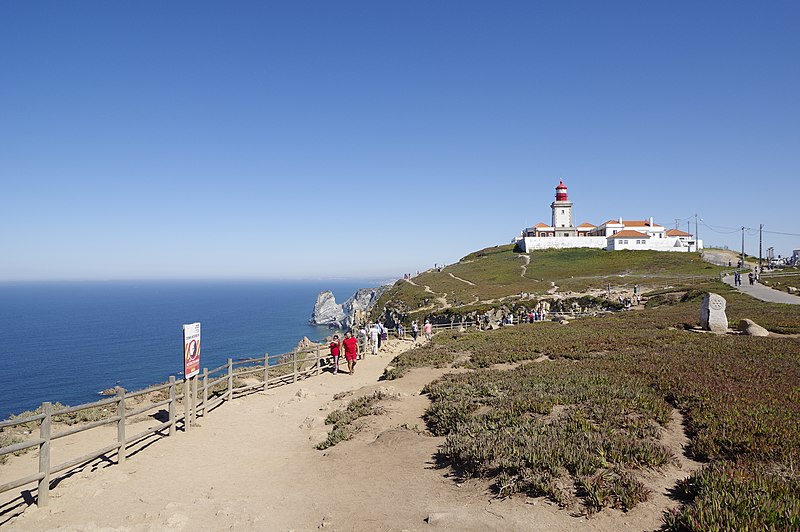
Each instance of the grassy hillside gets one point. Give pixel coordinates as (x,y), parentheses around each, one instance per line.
(580,427)
(499,272)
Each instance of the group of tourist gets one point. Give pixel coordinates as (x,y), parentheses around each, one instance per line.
(350,346)
(752,278)
(373,336)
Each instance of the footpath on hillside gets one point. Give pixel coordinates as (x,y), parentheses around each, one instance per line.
(253,465)
(764,293)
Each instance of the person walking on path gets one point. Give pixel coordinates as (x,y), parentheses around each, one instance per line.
(751,278)
(399,330)
(350,345)
(381,330)
(374,336)
(335,345)
(414,330)
(428,330)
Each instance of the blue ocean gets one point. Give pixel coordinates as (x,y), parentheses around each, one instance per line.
(66,342)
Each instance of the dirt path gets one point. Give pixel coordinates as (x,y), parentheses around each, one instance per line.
(253,466)
(527,260)
(441,299)
(460,279)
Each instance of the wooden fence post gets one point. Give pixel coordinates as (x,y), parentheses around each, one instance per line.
(187,397)
(266,370)
(294,366)
(193,409)
(319,362)
(43,496)
(230,379)
(172,397)
(121,425)
(205,391)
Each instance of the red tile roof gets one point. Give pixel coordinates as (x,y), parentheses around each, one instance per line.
(611,222)
(677,232)
(541,224)
(628,233)
(586,224)
(636,223)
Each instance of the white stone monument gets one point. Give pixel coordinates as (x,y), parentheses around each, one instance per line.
(712,314)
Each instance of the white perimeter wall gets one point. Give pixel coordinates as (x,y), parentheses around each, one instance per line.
(531,243)
(600,242)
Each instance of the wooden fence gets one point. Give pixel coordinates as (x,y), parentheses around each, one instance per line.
(200,395)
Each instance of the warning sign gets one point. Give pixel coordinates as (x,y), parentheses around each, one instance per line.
(191,349)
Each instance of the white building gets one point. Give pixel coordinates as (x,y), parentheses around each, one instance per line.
(611,235)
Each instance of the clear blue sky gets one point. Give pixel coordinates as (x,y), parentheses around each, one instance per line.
(351,139)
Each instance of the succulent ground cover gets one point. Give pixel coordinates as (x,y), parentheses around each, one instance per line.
(560,430)
(342,419)
(740,396)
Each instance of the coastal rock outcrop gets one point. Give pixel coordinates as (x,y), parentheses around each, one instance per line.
(354,310)
(326,310)
(357,307)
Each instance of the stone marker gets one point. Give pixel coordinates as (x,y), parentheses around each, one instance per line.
(712,314)
(751,328)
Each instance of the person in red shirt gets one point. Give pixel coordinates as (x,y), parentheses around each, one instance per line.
(335,344)
(350,345)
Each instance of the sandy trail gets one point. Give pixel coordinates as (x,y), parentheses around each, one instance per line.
(460,279)
(252,465)
(527,260)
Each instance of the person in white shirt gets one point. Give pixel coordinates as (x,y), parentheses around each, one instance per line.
(374,335)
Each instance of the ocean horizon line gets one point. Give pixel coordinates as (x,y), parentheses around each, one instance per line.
(377,279)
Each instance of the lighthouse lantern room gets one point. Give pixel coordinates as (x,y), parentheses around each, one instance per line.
(562,208)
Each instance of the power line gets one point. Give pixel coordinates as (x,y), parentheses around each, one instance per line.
(730,229)
(716,228)
(780,233)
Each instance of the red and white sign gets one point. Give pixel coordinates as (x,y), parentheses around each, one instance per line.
(191,349)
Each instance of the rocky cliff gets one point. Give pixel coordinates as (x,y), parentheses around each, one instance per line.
(326,310)
(354,310)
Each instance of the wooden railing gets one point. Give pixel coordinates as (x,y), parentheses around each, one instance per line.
(200,394)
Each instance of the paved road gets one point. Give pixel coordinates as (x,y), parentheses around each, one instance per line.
(762,292)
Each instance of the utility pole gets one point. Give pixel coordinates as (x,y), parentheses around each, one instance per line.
(760,228)
(677,221)
(696,230)
(743,246)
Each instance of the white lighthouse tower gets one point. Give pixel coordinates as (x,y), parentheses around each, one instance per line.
(562,209)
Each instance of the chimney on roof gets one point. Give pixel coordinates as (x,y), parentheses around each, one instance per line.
(651,221)
(620,219)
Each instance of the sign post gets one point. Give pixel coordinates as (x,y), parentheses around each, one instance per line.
(191,367)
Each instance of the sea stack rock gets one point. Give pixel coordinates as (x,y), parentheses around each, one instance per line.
(712,314)
(326,311)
